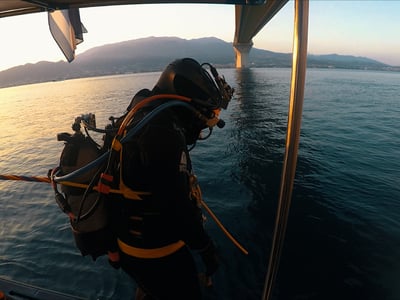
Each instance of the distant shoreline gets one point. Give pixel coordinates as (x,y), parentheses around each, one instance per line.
(154,53)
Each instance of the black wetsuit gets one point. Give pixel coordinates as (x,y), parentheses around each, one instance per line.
(157,161)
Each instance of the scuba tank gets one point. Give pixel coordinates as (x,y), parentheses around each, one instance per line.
(86,208)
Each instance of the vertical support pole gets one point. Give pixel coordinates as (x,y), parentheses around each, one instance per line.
(242,54)
(300,39)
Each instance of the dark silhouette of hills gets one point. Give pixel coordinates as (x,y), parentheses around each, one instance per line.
(154,53)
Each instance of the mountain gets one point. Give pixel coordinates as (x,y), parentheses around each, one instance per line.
(154,53)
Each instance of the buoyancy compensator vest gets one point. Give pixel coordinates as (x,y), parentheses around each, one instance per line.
(87,209)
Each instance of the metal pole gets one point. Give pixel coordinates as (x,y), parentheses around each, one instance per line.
(299,65)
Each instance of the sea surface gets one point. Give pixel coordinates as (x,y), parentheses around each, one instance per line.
(343,234)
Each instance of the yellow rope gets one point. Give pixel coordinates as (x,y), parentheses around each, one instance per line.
(224,230)
(25,178)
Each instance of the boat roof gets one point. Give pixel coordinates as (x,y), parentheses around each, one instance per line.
(19,7)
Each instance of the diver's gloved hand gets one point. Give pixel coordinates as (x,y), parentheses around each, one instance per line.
(113,260)
(210,259)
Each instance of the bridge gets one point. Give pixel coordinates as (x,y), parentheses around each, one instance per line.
(249,20)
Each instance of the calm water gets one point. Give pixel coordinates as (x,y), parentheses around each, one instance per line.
(343,237)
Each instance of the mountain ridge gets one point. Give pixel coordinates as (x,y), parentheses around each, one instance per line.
(154,53)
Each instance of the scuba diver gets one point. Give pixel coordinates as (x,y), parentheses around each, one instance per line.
(155,236)
(155,223)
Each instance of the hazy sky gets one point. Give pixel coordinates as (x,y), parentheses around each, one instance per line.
(360,28)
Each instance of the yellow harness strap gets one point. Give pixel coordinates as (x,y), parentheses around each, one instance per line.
(150,253)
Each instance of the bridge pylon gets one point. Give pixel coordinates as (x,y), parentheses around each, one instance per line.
(242,51)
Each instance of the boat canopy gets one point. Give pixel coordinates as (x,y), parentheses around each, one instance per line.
(19,7)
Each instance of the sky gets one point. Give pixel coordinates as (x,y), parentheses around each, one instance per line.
(360,28)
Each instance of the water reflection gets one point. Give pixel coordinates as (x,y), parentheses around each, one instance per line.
(259,131)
